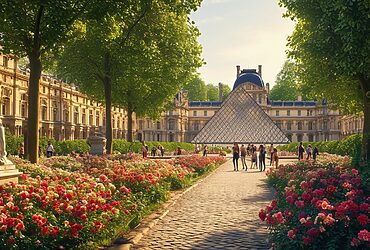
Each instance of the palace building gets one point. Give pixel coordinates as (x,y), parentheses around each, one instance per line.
(67,114)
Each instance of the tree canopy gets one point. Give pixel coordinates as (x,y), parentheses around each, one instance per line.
(286,85)
(199,91)
(331,45)
(148,63)
(36,29)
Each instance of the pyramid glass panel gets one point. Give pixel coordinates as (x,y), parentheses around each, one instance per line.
(240,119)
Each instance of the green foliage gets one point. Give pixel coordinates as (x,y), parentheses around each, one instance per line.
(350,145)
(197,90)
(286,84)
(212,92)
(81,146)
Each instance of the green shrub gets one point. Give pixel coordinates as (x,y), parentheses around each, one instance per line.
(81,146)
(350,145)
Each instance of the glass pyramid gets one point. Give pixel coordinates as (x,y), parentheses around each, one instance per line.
(240,119)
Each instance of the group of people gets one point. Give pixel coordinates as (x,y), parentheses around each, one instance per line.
(257,156)
(311,153)
(50,151)
(155,151)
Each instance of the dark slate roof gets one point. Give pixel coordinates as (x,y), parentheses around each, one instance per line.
(205,104)
(249,76)
(293,103)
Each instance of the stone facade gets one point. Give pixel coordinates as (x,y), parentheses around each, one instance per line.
(67,114)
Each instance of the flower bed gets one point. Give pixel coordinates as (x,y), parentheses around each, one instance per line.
(80,202)
(323,205)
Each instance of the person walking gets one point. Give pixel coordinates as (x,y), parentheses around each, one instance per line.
(262,158)
(300,151)
(271,151)
(144,150)
(161,148)
(309,152)
(235,156)
(315,153)
(276,158)
(243,154)
(154,151)
(205,150)
(21,151)
(254,159)
(49,150)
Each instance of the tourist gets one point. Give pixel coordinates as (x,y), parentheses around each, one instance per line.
(49,150)
(243,154)
(197,149)
(235,156)
(276,158)
(300,151)
(178,152)
(40,151)
(249,150)
(262,157)
(309,152)
(154,151)
(315,153)
(21,151)
(254,159)
(271,150)
(161,149)
(144,150)
(205,150)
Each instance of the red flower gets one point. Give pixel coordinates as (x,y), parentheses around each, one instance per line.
(313,232)
(363,219)
(354,171)
(262,214)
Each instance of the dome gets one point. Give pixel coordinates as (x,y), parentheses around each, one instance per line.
(251,77)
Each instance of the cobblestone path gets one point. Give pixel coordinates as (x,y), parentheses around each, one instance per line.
(220,213)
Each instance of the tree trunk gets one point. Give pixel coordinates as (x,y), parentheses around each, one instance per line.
(365,86)
(129,122)
(108,103)
(34,56)
(33,106)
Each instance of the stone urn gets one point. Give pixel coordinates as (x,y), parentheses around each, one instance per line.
(97,144)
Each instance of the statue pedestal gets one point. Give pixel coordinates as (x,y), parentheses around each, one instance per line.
(97,144)
(9,173)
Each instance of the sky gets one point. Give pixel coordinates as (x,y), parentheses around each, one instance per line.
(241,32)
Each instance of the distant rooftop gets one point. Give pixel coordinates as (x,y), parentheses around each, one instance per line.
(205,104)
(293,103)
(249,75)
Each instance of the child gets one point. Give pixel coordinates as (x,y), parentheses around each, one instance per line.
(254,159)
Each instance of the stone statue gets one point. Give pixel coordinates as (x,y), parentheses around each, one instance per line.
(3,159)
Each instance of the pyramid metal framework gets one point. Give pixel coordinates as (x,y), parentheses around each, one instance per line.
(240,119)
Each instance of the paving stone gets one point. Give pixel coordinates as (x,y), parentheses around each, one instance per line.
(220,213)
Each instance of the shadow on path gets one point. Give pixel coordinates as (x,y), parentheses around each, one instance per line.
(234,239)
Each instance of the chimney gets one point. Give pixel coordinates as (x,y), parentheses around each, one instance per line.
(260,70)
(220,92)
(237,71)
(299,98)
(268,88)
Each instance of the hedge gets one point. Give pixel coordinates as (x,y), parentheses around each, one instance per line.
(81,146)
(350,146)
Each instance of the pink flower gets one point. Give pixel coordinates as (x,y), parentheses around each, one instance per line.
(364,235)
(279,217)
(299,204)
(354,171)
(292,234)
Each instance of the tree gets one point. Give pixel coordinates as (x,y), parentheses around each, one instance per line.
(91,60)
(330,43)
(286,84)
(162,57)
(212,92)
(225,91)
(35,29)
(196,89)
